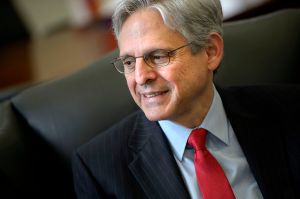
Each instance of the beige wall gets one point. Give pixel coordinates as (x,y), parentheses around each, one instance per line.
(41,17)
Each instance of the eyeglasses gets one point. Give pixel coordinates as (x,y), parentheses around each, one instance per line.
(155,59)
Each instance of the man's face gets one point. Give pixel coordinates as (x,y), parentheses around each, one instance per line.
(182,90)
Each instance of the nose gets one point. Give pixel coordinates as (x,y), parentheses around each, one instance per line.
(143,72)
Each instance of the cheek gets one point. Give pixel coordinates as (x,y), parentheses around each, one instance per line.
(189,76)
(175,78)
(131,86)
(181,73)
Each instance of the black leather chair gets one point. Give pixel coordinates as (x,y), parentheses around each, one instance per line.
(41,125)
(262,50)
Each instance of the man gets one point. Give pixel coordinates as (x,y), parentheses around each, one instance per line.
(169,51)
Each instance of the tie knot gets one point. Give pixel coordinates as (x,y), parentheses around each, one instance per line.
(197,139)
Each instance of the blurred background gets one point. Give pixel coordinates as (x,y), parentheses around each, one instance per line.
(42,40)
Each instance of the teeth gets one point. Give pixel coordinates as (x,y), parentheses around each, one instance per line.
(153,95)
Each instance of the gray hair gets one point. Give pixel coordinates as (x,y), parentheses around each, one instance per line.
(194,19)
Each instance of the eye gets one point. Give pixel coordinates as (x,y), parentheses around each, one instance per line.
(159,57)
(129,63)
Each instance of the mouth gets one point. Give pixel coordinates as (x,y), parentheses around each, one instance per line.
(149,95)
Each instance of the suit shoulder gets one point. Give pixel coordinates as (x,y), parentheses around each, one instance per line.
(113,139)
(286,95)
(269,101)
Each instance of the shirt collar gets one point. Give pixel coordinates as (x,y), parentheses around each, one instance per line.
(215,122)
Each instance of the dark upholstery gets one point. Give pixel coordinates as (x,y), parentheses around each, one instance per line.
(262,50)
(41,125)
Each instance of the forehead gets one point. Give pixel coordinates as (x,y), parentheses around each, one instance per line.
(145,30)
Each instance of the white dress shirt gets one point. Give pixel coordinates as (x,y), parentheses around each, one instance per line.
(223,145)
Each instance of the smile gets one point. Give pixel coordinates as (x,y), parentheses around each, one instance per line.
(153,94)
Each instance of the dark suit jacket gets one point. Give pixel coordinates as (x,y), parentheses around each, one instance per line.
(133,158)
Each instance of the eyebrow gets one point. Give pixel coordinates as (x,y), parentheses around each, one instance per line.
(150,50)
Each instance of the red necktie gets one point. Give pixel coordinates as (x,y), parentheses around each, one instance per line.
(212,181)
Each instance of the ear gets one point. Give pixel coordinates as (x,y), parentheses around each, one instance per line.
(214,50)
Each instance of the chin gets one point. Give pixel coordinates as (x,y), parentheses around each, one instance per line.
(155,116)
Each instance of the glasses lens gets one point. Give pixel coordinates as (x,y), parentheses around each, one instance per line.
(128,64)
(125,65)
(119,65)
(158,58)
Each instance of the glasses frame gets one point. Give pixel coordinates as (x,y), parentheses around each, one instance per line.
(145,57)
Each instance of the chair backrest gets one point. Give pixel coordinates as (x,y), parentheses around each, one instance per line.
(262,50)
(42,126)
(70,111)
(29,166)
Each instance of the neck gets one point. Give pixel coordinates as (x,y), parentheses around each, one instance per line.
(195,115)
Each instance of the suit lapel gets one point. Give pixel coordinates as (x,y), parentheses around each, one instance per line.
(259,134)
(154,166)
